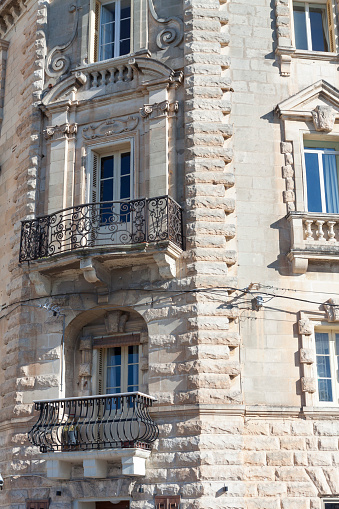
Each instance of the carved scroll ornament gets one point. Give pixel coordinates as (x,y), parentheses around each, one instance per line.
(323,118)
(57,63)
(173,32)
(332,310)
(109,127)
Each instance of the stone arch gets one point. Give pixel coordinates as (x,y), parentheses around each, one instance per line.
(117,326)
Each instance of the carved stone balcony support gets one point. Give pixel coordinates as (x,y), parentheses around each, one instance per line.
(314,237)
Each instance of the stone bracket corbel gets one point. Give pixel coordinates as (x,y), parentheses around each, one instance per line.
(42,284)
(94,272)
(166,264)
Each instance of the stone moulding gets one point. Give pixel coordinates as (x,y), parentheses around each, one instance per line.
(173,31)
(110,127)
(57,63)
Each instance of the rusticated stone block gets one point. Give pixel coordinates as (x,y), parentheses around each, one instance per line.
(307,356)
(305,327)
(280,458)
(308,384)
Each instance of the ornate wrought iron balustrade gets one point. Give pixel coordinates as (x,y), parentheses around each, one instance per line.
(102,224)
(95,422)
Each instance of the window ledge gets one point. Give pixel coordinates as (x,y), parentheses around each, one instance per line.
(59,464)
(315,237)
(102,64)
(286,54)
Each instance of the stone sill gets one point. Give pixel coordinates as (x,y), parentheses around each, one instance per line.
(102,65)
(133,462)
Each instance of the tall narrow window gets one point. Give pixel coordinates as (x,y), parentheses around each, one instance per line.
(322,172)
(313,28)
(112,29)
(327,353)
(119,367)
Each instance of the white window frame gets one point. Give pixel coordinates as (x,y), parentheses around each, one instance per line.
(308,24)
(117,29)
(92,56)
(320,153)
(333,365)
(104,150)
(97,377)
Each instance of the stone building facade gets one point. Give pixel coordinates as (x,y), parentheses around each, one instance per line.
(169,189)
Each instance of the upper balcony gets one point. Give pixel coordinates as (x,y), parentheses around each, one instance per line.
(140,227)
(93,431)
(314,237)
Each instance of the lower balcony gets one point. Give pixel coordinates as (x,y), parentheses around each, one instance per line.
(314,238)
(106,234)
(94,431)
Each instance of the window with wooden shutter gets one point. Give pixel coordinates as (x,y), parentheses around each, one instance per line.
(37,504)
(163,502)
(96,30)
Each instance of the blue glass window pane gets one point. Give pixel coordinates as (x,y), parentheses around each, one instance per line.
(331,182)
(113,376)
(125,9)
(125,163)
(125,187)
(133,354)
(125,47)
(125,29)
(300,27)
(317,29)
(322,343)
(108,13)
(114,356)
(325,390)
(107,33)
(313,183)
(106,190)
(107,167)
(323,366)
(337,344)
(133,375)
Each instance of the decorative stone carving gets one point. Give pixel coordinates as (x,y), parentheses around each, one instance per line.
(85,368)
(323,118)
(159,109)
(109,127)
(332,310)
(308,384)
(57,63)
(10,14)
(115,321)
(61,131)
(305,327)
(173,32)
(288,175)
(306,356)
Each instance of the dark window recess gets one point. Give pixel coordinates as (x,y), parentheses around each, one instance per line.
(332,505)
(37,504)
(167,502)
(124,504)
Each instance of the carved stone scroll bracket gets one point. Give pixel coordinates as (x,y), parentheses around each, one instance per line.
(157,110)
(324,118)
(166,264)
(59,132)
(57,63)
(115,321)
(110,127)
(332,310)
(95,273)
(173,31)
(42,284)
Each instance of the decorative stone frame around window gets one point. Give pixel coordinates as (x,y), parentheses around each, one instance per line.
(327,318)
(313,113)
(286,49)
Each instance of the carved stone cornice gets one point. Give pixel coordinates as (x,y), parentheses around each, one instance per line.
(109,127)
(156,110)
(58,132)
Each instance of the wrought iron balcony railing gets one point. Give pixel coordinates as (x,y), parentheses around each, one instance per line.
(96,422)
(129,222)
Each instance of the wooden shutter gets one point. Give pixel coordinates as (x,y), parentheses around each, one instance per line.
(95,174)
(167,502)
(331,31)
(100,382)
(96,30)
